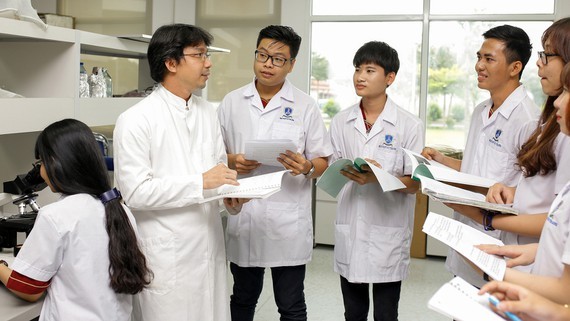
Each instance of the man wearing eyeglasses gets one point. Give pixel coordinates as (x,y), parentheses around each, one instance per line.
(275,232)
(169,155)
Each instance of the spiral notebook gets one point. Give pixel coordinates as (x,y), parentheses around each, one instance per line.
(460,300)
(260,186)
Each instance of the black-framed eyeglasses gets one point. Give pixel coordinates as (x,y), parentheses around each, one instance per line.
(199,55)
(276,61)
(544,56)
(37,163)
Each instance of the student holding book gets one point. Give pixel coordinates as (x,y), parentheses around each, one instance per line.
(496,123)
(539,157)
(550,275)
(373,229)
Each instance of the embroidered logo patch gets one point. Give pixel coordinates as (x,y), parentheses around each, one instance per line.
(287,112)
(497,134)
(388,140)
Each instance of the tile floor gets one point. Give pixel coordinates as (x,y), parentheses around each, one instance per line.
(324,299)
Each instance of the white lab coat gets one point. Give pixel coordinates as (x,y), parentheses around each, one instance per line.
(554,246)
(276,231)
(491,151)
(69,245)
(161,150)
(534,195)
(373,229)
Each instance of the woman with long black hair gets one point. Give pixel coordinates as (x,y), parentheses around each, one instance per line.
(83,249)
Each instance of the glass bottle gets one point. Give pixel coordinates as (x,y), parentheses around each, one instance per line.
(83,82)
(108,82)
(97,83)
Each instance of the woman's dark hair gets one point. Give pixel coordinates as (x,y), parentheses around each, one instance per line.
(74,164)
(169,41)
(537,153)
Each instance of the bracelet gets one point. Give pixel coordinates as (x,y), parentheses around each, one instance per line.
(486,277)
(488,220)
(311,171)
(4,262)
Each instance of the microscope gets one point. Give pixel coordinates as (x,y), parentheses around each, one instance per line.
(25,185)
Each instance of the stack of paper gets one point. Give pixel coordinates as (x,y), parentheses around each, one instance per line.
(261,186)
(460,300)
(266,151)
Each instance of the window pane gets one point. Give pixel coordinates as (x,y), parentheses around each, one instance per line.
(366,7)
(452,81)
(335,88)
(492,7)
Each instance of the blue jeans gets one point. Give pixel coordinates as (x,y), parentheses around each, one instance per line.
(357,300)
(288,290)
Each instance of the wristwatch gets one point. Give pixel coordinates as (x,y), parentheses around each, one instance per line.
(311,171)
(4,262)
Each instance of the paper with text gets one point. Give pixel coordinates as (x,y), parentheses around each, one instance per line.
(332,181)
(261,186)
(450,194)
(421,166)
(463,239)
(266,151)
(460,300)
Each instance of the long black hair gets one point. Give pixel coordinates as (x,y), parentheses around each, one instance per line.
(74,165)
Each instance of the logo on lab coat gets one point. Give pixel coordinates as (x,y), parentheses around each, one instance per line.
(495,139)
(287,112)
(388,140)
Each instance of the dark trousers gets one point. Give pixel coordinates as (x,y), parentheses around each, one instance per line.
(357,300)
(288,290)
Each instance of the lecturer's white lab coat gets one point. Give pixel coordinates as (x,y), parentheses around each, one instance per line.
(161,149)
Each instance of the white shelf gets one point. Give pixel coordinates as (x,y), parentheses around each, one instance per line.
(16,30)
(103,111)
(22,115)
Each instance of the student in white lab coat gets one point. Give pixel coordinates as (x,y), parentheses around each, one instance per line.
(373,229)
(83,249)
(276,232)
(496,123)
(541,158)
(550,275)
(169,154)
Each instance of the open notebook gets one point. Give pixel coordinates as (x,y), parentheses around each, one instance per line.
(260,186)
(460,300)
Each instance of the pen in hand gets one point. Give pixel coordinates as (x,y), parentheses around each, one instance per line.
(495,302)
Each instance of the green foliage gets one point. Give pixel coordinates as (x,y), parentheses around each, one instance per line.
(434,112)
(450,122)
(331,108)
(319,67)
(458,113)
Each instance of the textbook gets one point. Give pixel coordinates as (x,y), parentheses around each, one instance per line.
(450,194)
(260,186)
(421,166)
(463,238)
(460,300)
(332,181)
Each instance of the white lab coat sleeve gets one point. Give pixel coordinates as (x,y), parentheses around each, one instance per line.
(42,253)
(334,138)
(222,120)
(415,142)
(134,172)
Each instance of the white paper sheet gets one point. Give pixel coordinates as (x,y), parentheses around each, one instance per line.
(266,151)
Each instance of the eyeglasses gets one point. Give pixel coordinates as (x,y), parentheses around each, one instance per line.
(276,61)
(199,55)
(544,56)
(37,163)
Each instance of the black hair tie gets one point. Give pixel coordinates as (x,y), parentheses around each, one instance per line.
(110,195)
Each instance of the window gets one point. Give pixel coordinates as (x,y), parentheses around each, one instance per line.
(492,7)
(366,7)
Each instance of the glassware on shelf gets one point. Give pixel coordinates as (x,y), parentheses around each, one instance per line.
(108,83)
(84,91)
(97,83)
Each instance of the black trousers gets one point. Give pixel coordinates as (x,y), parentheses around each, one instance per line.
(288,291)
(356,299)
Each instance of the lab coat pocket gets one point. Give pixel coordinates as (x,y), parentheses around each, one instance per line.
(233,225)
(208,155)
(495,165)
(342,243)
(281,220)
(160,254)
(391,160)
(388,246)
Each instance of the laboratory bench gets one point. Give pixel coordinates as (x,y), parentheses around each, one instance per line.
(13,308)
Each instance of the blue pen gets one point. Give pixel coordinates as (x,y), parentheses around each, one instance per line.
(494,301)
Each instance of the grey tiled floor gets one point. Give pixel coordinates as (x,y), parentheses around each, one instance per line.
(324,299)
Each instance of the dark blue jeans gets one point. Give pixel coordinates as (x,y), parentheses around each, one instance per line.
(357,300)
(288,290)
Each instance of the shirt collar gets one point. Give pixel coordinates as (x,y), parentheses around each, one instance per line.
(512,101)
(173,100)
(286,92)
(389,114)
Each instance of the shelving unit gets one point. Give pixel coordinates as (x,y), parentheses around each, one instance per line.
(43,66)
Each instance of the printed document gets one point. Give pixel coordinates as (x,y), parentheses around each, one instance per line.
(266,151)
(463,239)
(261,186)
(460,300)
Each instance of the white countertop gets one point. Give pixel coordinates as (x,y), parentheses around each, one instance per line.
(12,307)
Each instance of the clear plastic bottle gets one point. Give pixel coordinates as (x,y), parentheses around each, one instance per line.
(84,91)
(97,83)
(108,82)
